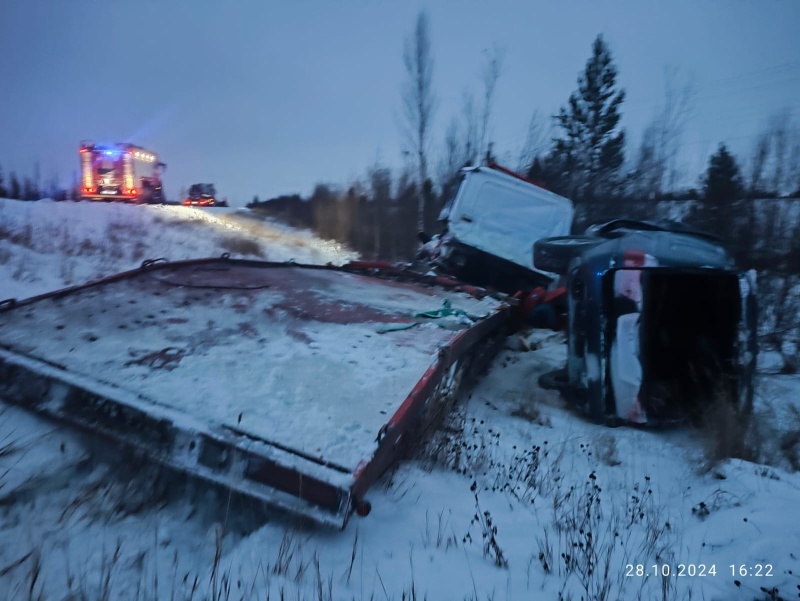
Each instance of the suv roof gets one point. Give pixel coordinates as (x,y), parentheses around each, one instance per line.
(673,244)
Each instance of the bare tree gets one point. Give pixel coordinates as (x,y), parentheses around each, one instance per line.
(774,164)
(469,132)
(453,152)
(537,141)
(650,165)
(758,165)
(419,101)
(656,165)
(461,146)
(780,126)
(678,108)
(491,70)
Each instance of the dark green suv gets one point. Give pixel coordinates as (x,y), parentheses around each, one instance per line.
(661,322)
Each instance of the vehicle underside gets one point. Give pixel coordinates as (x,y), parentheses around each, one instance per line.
(689,333)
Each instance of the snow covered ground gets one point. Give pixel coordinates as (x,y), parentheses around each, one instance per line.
(516,498)
(45,244)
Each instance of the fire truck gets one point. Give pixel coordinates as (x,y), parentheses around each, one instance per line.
(122,172)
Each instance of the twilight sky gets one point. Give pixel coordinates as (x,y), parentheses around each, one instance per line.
(264,97)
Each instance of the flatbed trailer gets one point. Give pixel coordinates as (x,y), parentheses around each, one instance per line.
(297,385)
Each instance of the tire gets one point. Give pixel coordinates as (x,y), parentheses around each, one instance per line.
(554,380)
(555,254)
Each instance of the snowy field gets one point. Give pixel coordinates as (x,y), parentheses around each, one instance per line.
(45,244)
(516,498)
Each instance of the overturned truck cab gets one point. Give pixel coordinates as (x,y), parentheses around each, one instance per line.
(661,323)
(489,225)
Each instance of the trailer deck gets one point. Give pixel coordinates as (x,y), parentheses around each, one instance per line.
(293,384)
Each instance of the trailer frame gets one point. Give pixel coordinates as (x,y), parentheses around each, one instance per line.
(224,454)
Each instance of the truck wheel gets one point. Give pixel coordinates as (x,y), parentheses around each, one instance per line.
(555,254)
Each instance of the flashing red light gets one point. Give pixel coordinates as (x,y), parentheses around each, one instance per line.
(133,191)
(84,150)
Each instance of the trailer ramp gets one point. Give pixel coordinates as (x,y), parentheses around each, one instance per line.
(296,385)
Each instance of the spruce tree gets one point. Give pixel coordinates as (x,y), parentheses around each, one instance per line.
(590,149)
(536,172)
(722,185)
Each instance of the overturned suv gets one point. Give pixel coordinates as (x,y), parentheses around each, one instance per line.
(661,324)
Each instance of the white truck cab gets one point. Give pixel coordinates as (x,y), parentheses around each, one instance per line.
(491,223)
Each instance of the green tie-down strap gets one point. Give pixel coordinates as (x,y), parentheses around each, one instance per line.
(446,310)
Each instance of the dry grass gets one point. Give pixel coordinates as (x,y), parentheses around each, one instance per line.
(790,448)
(443,535)
(728,432)
(530,410)
(591,540)
(606,449)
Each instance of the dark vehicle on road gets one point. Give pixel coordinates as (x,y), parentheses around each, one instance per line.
(203,195)
(661,323)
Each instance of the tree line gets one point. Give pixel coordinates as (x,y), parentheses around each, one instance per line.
(582,153)
(29,188)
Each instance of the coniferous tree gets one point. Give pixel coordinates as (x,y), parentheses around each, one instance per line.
(589,153)
(3,191)
(536,172)
(30,190)
(553,172)
(722,185)
(722,182)
(14,188)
